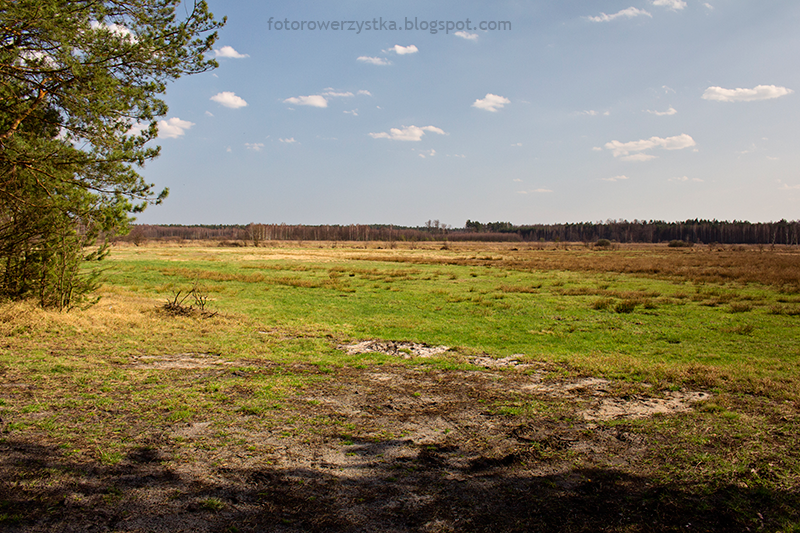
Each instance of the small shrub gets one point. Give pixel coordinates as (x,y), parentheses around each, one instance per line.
(602,243)
(740,307)
(625,306)
(177,306)
(602,303)
(680,244)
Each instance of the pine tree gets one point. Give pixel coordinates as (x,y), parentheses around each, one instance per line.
(80,83)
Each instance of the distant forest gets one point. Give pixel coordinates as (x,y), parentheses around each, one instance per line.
(622,231)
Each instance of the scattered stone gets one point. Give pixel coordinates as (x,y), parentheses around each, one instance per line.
(632,408)
(406,350)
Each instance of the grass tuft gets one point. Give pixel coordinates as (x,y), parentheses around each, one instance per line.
(626,306)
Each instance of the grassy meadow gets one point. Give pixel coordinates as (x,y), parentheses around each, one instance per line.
(679,323)
(84,387)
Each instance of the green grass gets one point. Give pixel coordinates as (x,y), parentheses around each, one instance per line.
(282,313)
(648,326)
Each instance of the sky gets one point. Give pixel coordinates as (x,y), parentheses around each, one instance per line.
(522,111)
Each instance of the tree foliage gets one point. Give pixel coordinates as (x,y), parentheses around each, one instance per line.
(80,87)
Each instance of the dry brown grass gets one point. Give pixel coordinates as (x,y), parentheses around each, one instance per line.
(521,288)
(778,267)
(194,273)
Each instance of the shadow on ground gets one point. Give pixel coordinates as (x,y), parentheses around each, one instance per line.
(41,490)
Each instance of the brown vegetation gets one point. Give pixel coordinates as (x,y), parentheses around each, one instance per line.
(709,264)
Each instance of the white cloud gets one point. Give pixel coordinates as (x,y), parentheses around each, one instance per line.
(535,191)
(467,36)
(34,56)
(403,50)
(491,102)
(593,113)
(209,114)
(760,92)
(427,153)
(596,149)
(335,94)
(517,144)
(637,157)
(615,178)
(708,6)
(228,51)
(173,128)
(787,187)
(685,178)
(751,149)
(229,99)
(672,4)
(364,92)
(314,100)
(410,133)
(677,142)
(229,149)
(353,112)
(290,140)
(517,180)
(374,60)
(256,147)
(629,13)
(670,111)
(121,31)
(136,129)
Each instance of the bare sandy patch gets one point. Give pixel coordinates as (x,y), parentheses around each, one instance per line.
(402,349)
(180,360)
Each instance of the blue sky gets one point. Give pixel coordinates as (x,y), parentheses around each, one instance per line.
(581,111)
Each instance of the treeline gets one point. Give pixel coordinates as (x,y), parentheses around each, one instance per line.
(695,231)
(651,231)
(257,233)
(623,231)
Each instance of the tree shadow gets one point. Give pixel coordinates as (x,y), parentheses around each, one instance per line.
(42,490)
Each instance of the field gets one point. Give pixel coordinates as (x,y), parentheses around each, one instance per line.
(507,387)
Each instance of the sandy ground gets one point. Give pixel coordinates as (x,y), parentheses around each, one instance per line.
(512,447)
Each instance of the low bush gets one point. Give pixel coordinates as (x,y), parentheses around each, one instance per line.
(602,303)
(625,306)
